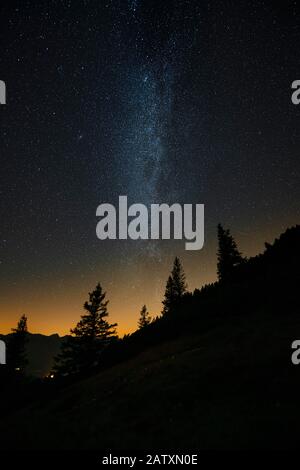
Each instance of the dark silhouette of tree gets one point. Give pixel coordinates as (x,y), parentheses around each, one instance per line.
(169,298)
(145,318)
(16,350)
(175,288)
(228,255)
(92,333)
(178,276)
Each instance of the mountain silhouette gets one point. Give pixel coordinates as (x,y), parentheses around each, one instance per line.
(216,373)
(41,350)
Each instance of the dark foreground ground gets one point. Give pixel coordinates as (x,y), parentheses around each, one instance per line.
(233,387)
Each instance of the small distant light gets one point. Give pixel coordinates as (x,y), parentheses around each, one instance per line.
(52,376)
(17,368)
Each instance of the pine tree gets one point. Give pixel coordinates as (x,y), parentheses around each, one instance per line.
(92,333)
(16,350)
(178,277)
(145,318)
(169,298)
(228,255)
(175,287)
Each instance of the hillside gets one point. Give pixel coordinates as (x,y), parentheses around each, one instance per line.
(233,387)
(214,374)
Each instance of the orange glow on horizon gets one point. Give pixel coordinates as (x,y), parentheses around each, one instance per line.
(54,305)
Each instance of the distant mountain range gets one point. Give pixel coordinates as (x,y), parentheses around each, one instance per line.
(41,351)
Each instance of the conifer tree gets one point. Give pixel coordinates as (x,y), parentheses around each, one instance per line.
(228,255)
(92,333)
(169,298)
(175,287)
(178,277)
(145,318)
(16,351)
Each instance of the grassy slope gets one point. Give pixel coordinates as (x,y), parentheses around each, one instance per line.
(233,387)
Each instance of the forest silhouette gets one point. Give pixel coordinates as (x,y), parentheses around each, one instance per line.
(259,291)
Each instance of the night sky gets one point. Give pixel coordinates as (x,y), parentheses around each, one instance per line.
(167,101)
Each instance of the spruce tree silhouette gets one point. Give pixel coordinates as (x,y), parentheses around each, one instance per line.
(16,350)
(228,255)
(92,333)
(169,298)
(175,287)
(145,318)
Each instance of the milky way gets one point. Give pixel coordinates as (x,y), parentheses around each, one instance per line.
(164,101)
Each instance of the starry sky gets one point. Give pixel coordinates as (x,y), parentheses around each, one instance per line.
(175,101)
